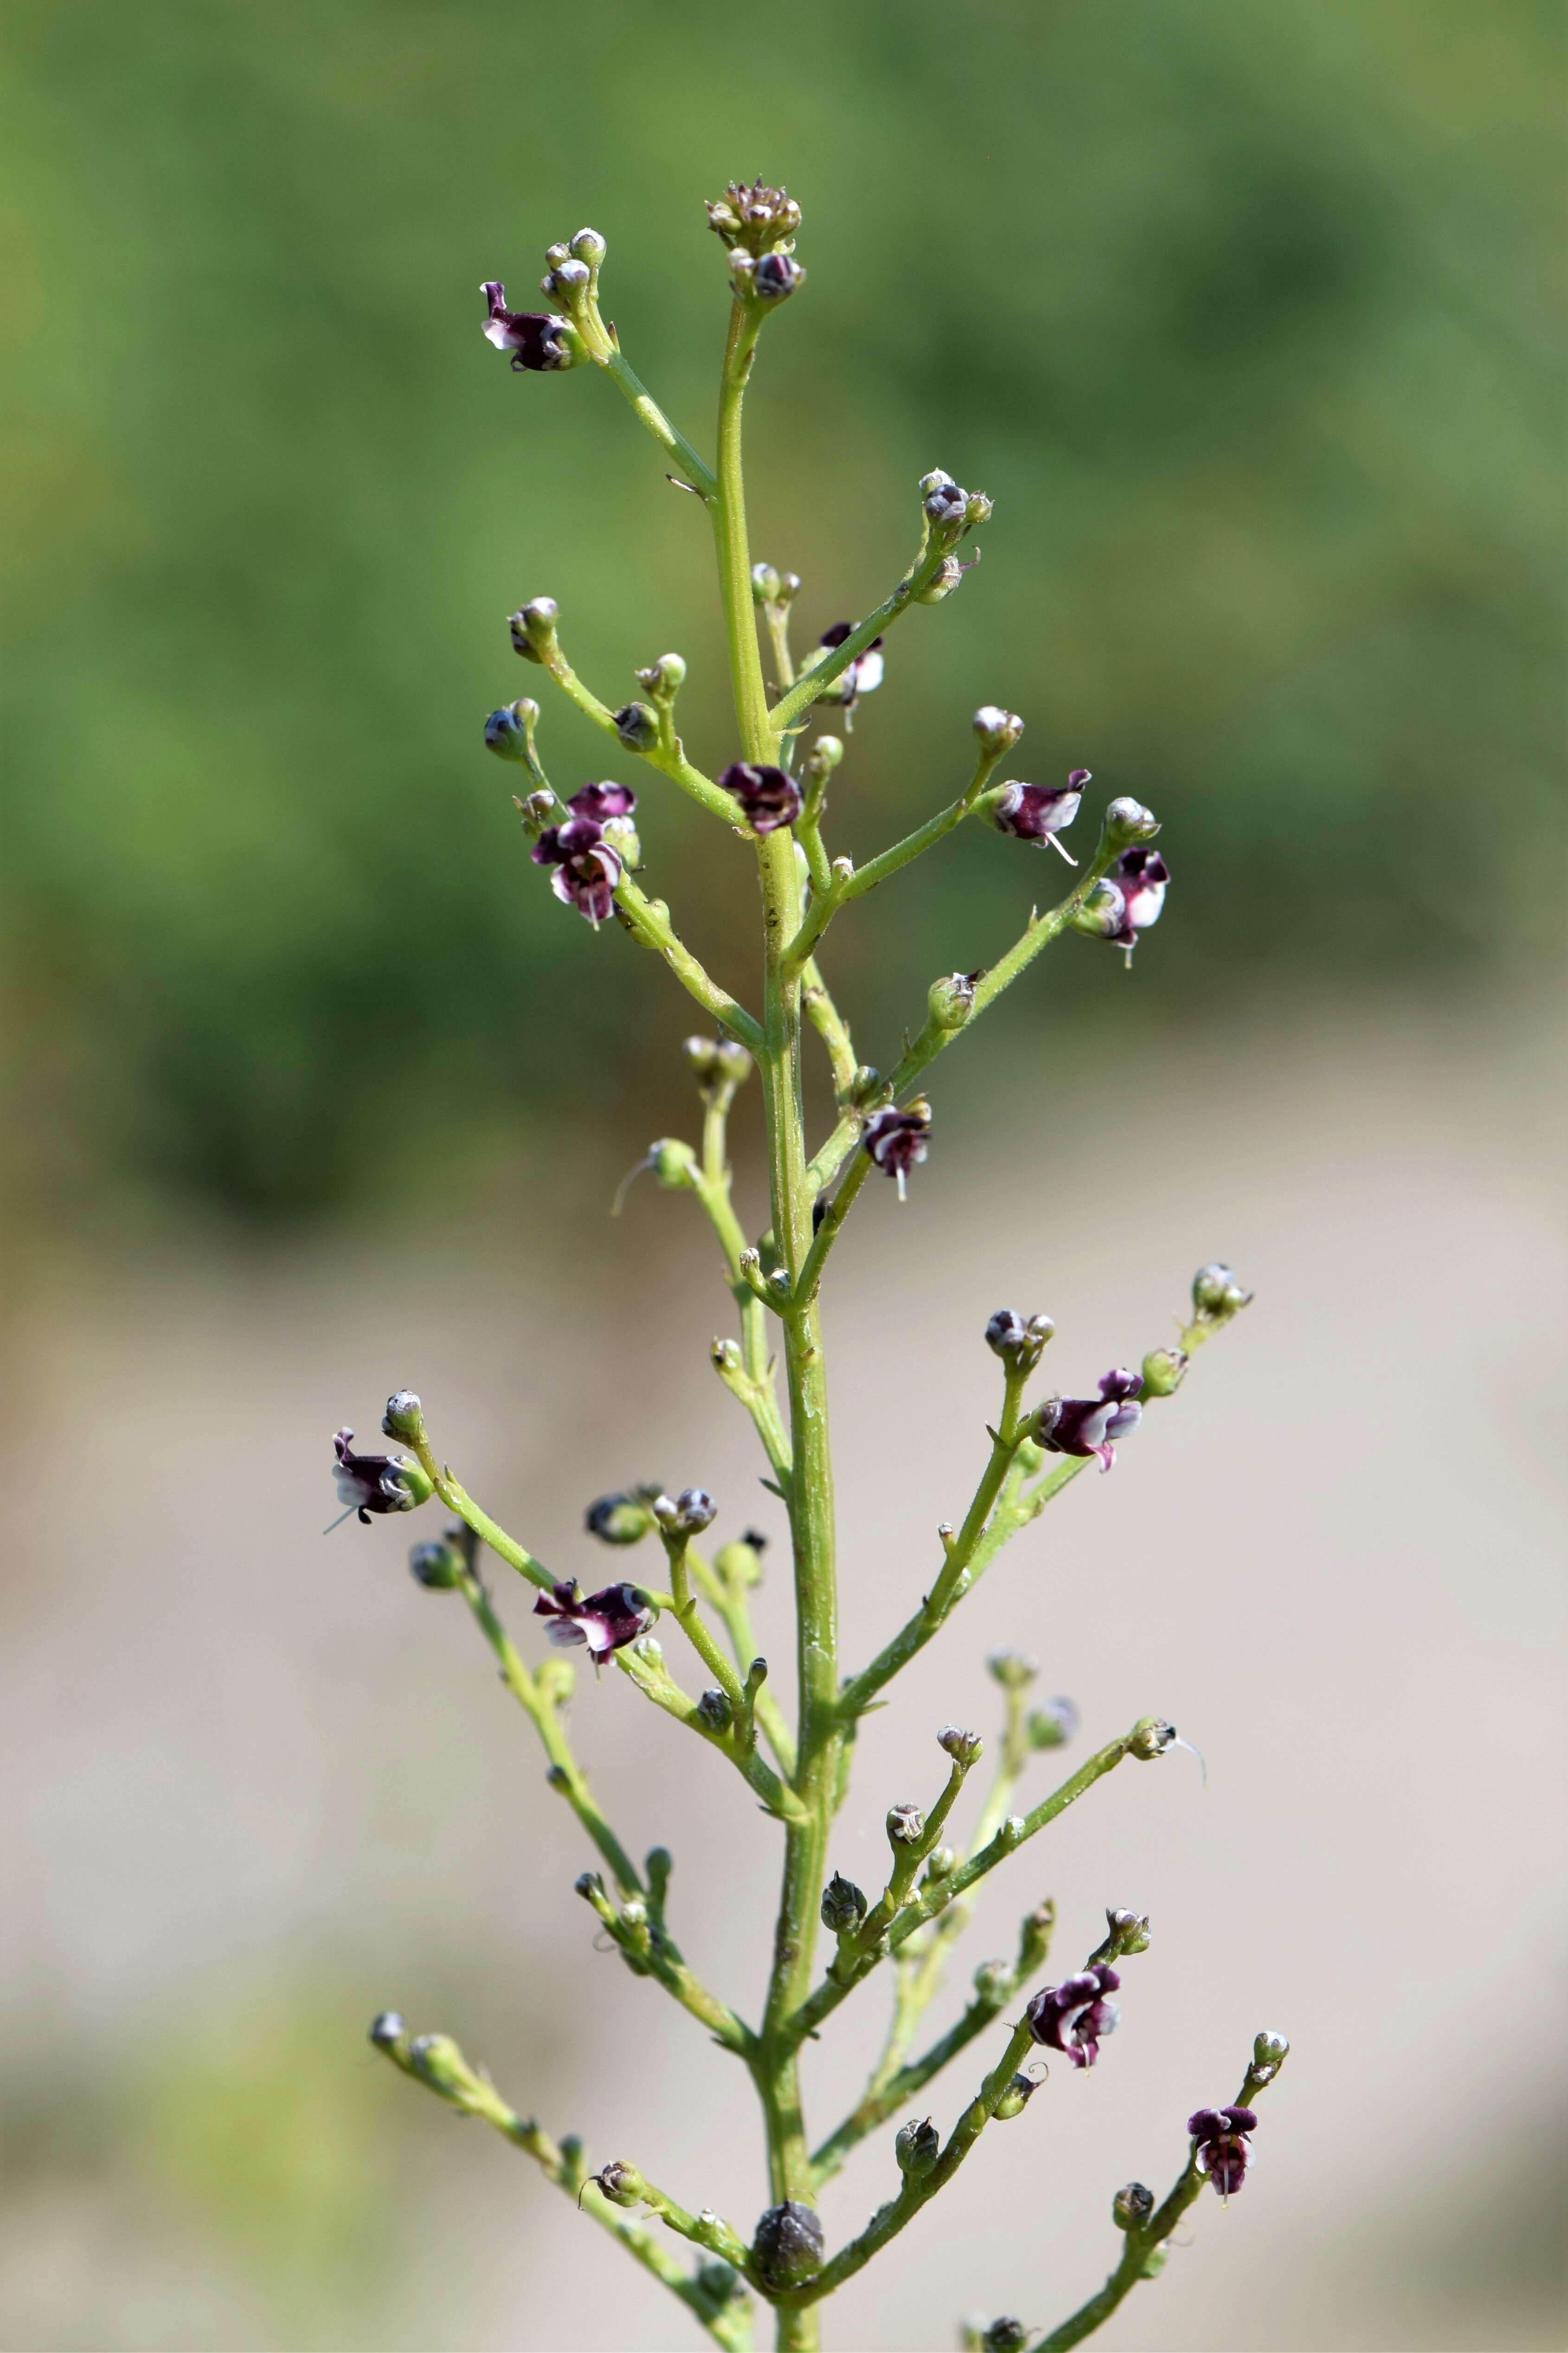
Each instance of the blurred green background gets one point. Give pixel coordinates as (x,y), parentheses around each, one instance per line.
(1239,311)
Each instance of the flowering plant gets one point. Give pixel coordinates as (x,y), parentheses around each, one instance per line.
(773,799)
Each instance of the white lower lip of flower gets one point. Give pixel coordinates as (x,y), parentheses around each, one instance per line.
(566,1633)
(498,332)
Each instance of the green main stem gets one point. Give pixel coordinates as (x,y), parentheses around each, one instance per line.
(775,2066)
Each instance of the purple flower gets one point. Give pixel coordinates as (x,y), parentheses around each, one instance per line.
(374,1482)
(897,1140)
(587,866)
(534,338)
(607,1621)
(1224,2151)
(1074,2015)
(1088,1425)
(1038,812)
(768,797)
(864,674)
(1127,900)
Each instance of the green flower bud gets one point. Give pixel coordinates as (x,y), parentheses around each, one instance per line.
(950,1001)
(940,1863)
(404,1418)
(621,2183)
(994,1983)
(1164,1370)
(673,1162)
(638,726)
(917,2149)
(1270,2051)
(1131,2205)
(963,1747)
(622,1519)
(843,1906)
(1150,1736)
(437,1567)
(1014,1670)
(1217,1295)
(766,584)
(714,1711)
(589,245)
(1127,821)
(534,628)
(1016,2098)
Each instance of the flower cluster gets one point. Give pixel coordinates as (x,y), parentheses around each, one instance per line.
(1075,2016)
(585,853)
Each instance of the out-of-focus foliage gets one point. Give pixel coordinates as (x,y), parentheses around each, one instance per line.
(1235,306)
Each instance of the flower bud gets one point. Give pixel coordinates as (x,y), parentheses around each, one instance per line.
(940,1863)
(1131,2205)
(787,2249)
(589,245)
(1129,1931)
(568,277)
(766,584)
(638,726)
(623,1519)
(1006,2335)
(714,1711)
(686,1515)
(1269,2051)
(1019,1345)
(1127,821)
(437,1567)
(998,730)
(776,275)
(994,1982)
(1016,2098)
(917,2149)
(843,1906)
(1035,1932)
(978,509)
(945,506)
(439,2062)
(506,731)
(963,1747)
(404,1418)
(672,1163)
(1217,1295)
(534,628)
(952,1001)
(665,678)
(823,756)
(1053,1725)
(1152,1736)
(387,2029)
(740,1562)
(621,2183)
(720,2282)
(906,1825)
(866,1085)
(1165,1369)
(943,581)
(715,1061)
(1014,1670)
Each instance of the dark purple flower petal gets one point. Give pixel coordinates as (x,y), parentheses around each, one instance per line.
(898,1140)
(768,797)
(605,1620)
(1085,1425)
(532,337)
(602,800)
(370,1483)
(1038,812)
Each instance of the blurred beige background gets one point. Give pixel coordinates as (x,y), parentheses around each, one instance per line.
(260,1784)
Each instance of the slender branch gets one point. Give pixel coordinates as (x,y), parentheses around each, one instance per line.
(698,473)
(436,2061)
(566,1773)
(646,1668)
(877,869)
(1140,2257)
(832,1224)
(637,1928)
(647,921)
(536,638)
(790,708)
(1013,1834)
(890,2220)
(830,1026)
(456,1499)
